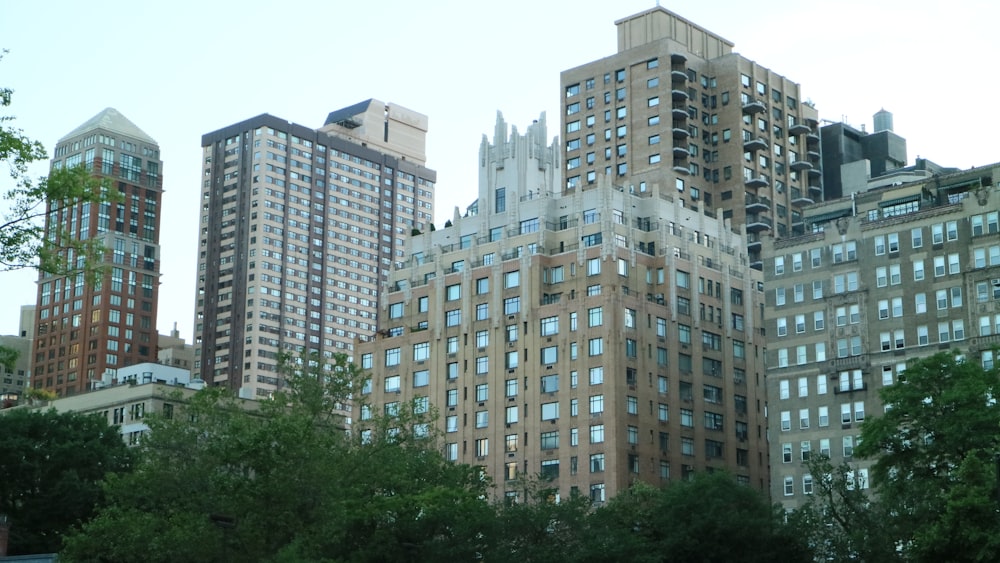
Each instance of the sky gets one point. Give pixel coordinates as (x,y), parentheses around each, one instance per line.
(181,69)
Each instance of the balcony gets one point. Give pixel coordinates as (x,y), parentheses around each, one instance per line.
(813,155)
(799,129)
(681,166)
(754,144)
(757,204)
(754,182)
(679,95)
(802,200)
(680,131)
(754,244)
(678,76)
(815,187)
(681,150)
(812,139)
(801,165)
(757,223)
(677,59)
(680,113)
(753,105)
(757,264)
(815,172)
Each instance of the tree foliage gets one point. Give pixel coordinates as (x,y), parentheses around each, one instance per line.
(52,466)
(935,454)
(934,488)
(22,226)
(709,518)
(841,520)
(219,482)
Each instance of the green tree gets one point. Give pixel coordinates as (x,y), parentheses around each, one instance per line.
(935,454)
(841,520)
(709,518)
(22,231)
(52,466)
(539,527)
(285,482)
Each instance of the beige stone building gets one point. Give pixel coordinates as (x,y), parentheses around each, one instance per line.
(884,276)
(298,228)
(675,110)
(594,336)
(126,396)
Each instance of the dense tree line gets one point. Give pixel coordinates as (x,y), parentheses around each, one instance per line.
(284,481)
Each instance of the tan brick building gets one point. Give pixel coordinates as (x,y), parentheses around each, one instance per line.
(596,336)
(675,109)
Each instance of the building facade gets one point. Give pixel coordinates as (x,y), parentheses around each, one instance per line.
(594,337)
(14,379)
(298,227)
(885,276)
(83,329)
(676,111)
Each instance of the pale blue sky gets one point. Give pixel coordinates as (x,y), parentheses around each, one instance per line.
(182,69)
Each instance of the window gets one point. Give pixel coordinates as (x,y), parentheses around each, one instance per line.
(937,233)
(779,265)
(593,266)
(482,365)
(421,378)
(392,384)
(482,286)
(550,326)
(952,230)
(511,305)
(482,419)
(786,421)
(824,415)
(421,351)
(453,292)
(818,320)
(683,279)
(596,346)
(453,317)
(395,310)
(918,270)
(779,296)
(803,419)
(482,311)
(596,433)
(789,486)
(550,411)
(917,237)
(687,418)
(512,279)
(482,447)
(392,357)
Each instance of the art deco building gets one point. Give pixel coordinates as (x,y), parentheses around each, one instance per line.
(82,329)
(298,227)
(883,277)
(676,111)
(594,336)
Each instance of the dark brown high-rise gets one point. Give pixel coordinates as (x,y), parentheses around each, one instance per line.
(83,330)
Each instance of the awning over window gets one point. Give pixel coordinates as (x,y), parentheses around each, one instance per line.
(829,216)
(899,200)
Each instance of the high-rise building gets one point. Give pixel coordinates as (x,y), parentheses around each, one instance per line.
(594,336)
(675,111)
(298,227)
(84,329)
(885,276)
